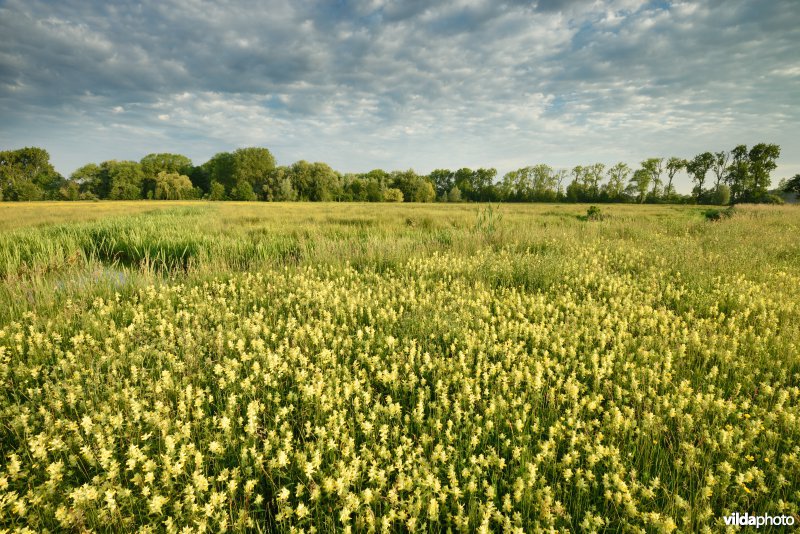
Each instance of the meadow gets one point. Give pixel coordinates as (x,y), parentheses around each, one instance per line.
(211,367)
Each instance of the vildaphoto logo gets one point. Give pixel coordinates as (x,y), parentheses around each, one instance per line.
(747,520)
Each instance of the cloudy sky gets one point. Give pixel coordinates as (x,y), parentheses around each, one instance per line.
(381,83)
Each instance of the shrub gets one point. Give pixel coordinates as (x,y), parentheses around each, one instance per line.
(594,214)
(392,195)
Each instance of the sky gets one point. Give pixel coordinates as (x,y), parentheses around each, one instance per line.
(386,84)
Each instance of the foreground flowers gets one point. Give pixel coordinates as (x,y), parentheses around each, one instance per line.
(452,392)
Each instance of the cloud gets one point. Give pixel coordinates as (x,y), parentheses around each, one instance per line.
(380,83)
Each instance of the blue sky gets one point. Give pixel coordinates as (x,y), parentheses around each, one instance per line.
(396,85)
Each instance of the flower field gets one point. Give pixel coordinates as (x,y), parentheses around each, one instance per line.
(319,368)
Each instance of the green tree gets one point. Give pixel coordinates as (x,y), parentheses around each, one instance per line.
(674,166)
(314,181)
(738,173)
(124,179)
(792,185)
(92,180)
(617,176)
(698,168)
(69,191)
(216,191)
(763,160)
(172,186)
(720,166)
(253,165)
(243,191)
(415,188)
(655,166)
(26,174)
(392,195)
(640,182)
(443,181)
(153,164)
(454,195)
(220,170)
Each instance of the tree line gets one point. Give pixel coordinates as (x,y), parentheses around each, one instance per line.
(738,175)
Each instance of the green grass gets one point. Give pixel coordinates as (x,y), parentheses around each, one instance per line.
(418,366)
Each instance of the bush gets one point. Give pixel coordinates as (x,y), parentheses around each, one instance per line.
(594,214)
(721,195)
(217,191)
(393,195)
(771,199)
(718,215)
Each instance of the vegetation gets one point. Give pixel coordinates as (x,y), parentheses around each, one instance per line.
(741,175)
(277,367)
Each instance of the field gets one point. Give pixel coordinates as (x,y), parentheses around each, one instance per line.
(202,367)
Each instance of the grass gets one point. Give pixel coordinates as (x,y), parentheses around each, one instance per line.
(255,366)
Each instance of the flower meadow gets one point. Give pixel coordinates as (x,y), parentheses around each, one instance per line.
(413,373)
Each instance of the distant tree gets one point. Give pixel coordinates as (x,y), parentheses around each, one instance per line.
(674,166)
(640,182)
(415,188)
(393,195)
(124,179)
(720,166)
(698,168)
(425,192)
(216,191)
(374,190)
(655,166)
(69,191)
(243,190)
(253,165)
(314,181)
(738,173)
(219,169)
(617,176)
(172,186)
(443,181)
(26,174)
(721,195)
(792,185)
(454,195)
(763,160)
(91,180)
(153,164)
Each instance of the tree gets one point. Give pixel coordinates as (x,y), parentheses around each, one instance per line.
(26,174)
(172,186)
(92,180)
(443,181)
(738,173)
(243,191)
(792,185)
(698,168)
(655,166)
(617,176)
(69,191)
(674,166)
(216,191)
(253,165)
(415,188)
(425,192)
(153,164)
(762,159)
(454,195)
(124,179)
(220,170)
(640,182)
(314,181)
(720,166)
(393,195)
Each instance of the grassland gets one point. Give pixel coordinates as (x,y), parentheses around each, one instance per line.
(319,367)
